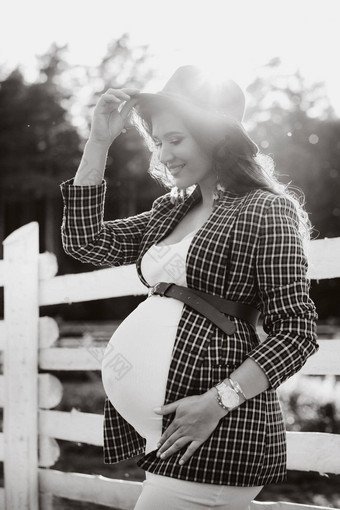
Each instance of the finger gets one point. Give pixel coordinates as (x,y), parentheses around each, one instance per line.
(189,451)
(130,90)
(118,93)
(174,448)
(110,98)
(126,109)
(169,442)
(168,408)
(126,90)
(168,433)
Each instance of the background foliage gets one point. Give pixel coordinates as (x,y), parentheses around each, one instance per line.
(44,125)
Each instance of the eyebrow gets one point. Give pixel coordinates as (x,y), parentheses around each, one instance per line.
(170,133)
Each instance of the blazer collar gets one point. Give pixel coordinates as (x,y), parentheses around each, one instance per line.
(196,197)
(229,199)
(173,216)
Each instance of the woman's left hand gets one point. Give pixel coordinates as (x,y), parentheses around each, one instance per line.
(195,420)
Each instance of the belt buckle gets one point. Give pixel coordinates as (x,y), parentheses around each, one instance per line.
(163,288)
(153,289)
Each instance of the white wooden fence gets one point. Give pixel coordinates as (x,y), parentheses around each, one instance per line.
(28,445)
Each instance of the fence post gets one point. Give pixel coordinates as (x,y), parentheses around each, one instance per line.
(21,309)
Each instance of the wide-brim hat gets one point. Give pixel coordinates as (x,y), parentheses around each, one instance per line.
(191,89)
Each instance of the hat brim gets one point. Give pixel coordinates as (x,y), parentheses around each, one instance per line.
(180,102)
(210,121)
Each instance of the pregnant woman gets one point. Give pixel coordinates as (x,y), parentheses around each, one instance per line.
(198,402)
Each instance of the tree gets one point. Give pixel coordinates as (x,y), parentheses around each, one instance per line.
(43,127)
(295,123)
(38,149)
(130,188)
(38,145)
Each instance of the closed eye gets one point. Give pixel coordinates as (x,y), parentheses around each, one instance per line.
(173,142)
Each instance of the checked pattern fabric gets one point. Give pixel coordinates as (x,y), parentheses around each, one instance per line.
(249,250)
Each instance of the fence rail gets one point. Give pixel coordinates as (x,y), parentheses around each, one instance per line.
(28,443)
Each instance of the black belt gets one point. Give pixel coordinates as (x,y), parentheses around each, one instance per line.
(211,306)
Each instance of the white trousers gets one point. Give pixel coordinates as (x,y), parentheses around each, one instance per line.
(166,493)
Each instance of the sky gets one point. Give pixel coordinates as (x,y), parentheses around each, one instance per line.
(228,37)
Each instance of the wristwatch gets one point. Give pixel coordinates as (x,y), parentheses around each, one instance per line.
(227,397)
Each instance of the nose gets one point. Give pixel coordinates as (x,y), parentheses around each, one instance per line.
(165,155)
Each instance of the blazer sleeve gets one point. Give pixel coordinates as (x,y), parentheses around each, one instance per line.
(86,237)
(289,314)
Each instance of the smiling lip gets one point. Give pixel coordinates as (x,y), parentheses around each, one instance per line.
(175,170)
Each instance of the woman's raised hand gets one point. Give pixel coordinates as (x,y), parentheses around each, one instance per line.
(109,114)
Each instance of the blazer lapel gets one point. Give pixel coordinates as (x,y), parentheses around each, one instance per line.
(166,224)
(218,224)
(211,246)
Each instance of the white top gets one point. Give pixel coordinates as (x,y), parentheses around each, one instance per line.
(137,359)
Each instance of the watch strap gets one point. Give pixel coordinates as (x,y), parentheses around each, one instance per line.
(237,388)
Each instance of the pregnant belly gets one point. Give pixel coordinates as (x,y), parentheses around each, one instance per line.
(136,362)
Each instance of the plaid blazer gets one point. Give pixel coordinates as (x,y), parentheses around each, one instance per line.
(248,250)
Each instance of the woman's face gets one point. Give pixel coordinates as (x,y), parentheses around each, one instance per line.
(184,157)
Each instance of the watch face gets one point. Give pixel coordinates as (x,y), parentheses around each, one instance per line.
(230,398)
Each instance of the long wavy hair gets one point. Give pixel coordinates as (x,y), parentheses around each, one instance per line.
(238,164)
